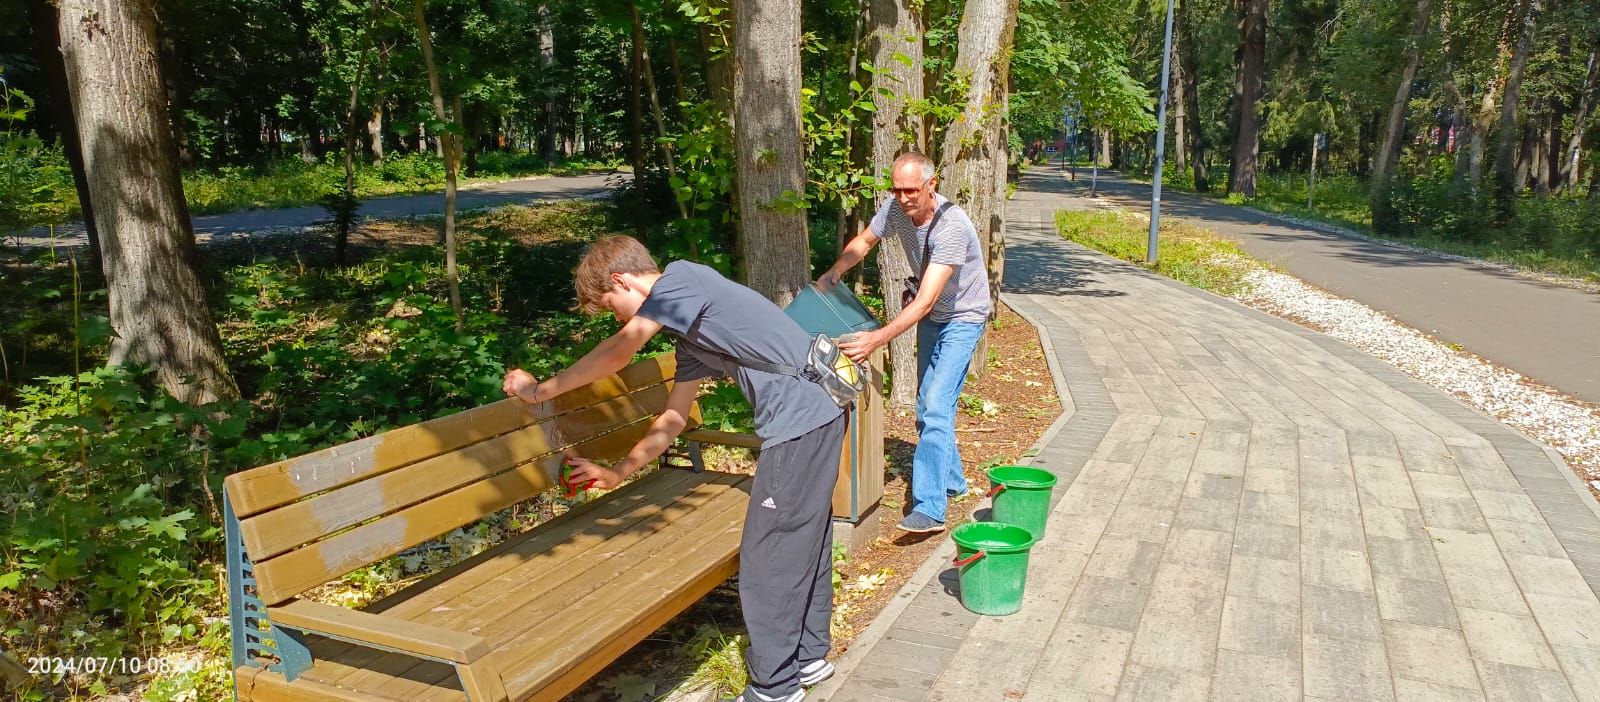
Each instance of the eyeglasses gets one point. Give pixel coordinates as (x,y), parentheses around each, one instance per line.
(911,191)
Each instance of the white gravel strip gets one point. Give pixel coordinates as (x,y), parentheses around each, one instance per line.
(1568,425)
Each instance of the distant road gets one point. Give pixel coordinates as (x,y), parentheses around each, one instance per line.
(1543,331)
(512,192)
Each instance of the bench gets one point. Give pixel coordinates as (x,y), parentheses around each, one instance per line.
(530,619)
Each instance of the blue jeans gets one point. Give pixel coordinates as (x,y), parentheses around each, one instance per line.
(943,353)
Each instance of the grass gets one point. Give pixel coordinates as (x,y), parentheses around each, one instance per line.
(1342,201)
(1189,254)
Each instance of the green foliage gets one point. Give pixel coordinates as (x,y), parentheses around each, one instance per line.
(1194,256)
(35,180)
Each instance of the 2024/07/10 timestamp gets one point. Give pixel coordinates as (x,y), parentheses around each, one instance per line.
(120,665)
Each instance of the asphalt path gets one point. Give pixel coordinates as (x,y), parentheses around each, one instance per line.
(246,222)
(1544,331)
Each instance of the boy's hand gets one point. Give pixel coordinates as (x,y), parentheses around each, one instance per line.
(522,385)
(585,470)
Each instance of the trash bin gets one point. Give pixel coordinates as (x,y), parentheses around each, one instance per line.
(837,313)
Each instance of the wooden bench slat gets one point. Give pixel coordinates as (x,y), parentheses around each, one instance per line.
(271,533)
(257,490)
(257,685)
(615,510)
(383,673)
(587,561)
(297,571)
(410,637)
(555,658)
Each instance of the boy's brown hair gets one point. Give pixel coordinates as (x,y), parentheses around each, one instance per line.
(603,258)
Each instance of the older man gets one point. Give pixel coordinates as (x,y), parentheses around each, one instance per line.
(948,302)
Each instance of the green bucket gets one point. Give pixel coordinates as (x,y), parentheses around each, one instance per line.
(992,559)
(1022,497)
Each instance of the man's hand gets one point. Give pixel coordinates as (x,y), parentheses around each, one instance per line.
(522,385)
(827,280)
(585,470)
(862,346)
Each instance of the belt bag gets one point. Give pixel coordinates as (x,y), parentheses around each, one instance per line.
(827,366)
(915,282)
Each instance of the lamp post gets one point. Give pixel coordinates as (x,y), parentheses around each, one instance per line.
(1161,142)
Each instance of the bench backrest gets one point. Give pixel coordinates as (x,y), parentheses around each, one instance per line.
(308,520)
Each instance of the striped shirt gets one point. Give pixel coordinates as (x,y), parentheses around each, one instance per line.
(966,296)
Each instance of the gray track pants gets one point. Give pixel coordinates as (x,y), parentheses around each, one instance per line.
(786,558)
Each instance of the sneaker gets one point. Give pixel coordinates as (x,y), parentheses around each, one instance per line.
(815,672)
(748,696)
(919,523)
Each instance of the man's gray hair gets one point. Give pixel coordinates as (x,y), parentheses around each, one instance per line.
(923,162)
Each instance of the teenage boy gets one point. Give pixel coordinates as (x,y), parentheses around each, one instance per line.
(785,552)
(950,308)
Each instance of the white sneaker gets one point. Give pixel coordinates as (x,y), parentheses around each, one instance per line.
(815,672)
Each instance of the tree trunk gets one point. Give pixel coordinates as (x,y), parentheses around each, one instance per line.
(1191,75)
(714,52)
(344,217)
(1180,155)
(158,302)
(1102,154)
(641,50)
(852,139)
(47,42)
(547,62)
(973,172)
(894,36)
(375,122)
(679,95)
(451,153)
(1568,158)
(1246,93)
(636,153)
(1505,166)
(767,138)
(1389,149)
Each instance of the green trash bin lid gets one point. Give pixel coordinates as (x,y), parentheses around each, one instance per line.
(836,312)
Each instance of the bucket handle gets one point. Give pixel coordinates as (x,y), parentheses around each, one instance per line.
(969,560)
(998,487)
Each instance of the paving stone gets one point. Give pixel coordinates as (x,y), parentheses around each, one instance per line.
(1107,602)
(1447,503)
(1556,577)
(1270,507)
(1083,657)
(1404,558)
(1393,523)
(1146,683)
(1582,667)
(893,683)
(1199,548)
(1180,623)
(1245,677)
(1406,690)
(1425,602)
(1429,654)
(1567,621)
(1511,682)
(1282,482)
(1331,612)
(1346,669)
(1523,537)
(1125,559)
(1264,578)
(1507,505)
(1504,638)
(1476,572)
(1213,486)
(888,646)
(1260,627)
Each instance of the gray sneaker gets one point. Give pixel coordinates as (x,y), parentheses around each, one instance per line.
(919,523)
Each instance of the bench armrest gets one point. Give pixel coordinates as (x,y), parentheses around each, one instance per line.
(725,438)
(355,625)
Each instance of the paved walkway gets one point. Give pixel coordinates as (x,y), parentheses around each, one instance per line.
(1541,330)
(1251,510)
(524,191)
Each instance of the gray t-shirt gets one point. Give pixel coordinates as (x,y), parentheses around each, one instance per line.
(966,297)
(696,304)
